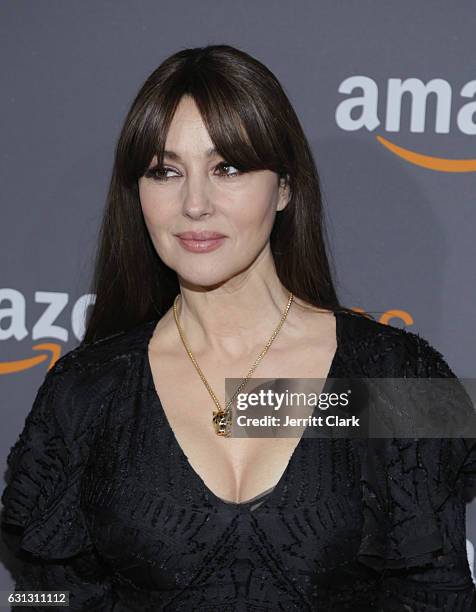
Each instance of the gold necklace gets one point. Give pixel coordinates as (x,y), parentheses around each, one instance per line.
(222,418)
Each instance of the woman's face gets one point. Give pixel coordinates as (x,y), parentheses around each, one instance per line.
(196,191)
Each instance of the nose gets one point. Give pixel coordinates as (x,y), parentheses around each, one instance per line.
(197,200)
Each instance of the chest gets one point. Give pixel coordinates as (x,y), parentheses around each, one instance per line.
(158,529)
(235,469)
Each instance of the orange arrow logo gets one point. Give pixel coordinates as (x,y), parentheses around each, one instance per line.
(53,353)
(427,161)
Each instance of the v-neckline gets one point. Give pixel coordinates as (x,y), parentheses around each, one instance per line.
(271,491)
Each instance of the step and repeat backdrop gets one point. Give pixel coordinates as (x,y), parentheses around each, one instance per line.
(386,93)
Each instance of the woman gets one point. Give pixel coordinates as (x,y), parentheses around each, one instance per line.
(125,487)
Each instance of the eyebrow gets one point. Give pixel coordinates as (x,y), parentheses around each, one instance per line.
(172,155)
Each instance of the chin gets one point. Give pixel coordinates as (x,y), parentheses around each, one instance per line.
(207,278)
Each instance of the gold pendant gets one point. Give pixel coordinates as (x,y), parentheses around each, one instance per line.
(221,422)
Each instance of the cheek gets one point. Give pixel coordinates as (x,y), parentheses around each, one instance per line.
(156,213)
(148,204)
(256,216)
(157,218)
(248,216)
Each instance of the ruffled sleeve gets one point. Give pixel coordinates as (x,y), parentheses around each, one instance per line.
(461,465)
(413,499)
(42,522)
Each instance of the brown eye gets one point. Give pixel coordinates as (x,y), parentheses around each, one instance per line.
(224,166)
(159,173)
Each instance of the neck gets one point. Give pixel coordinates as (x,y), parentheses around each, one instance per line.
(236,316)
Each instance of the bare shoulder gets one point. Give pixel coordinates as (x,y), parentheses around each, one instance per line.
(164,337)
(310,323)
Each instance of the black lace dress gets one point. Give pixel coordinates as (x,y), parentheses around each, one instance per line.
(101,500)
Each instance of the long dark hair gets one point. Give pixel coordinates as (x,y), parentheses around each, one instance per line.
(253,126)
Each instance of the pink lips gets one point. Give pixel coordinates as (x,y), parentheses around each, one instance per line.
(200,242)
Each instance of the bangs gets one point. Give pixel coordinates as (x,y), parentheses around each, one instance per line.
(239,127)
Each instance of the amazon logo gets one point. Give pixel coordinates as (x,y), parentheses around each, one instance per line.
(360,111)
(47,337)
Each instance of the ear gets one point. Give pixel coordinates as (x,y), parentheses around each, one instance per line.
(284,192)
